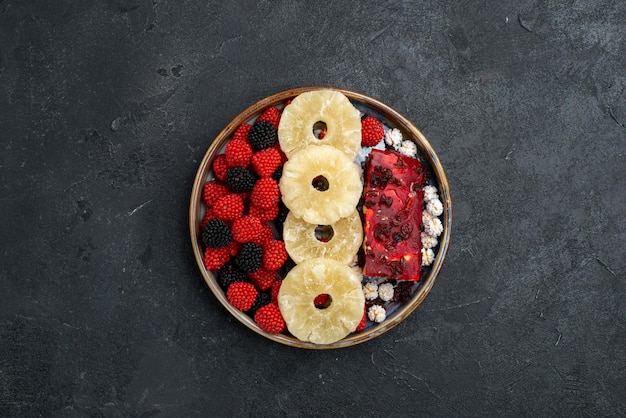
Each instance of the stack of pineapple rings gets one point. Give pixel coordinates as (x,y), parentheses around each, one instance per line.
(321,186)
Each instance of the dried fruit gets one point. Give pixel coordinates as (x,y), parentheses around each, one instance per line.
(339,241)
(320,185)
(308,280)
(307,110)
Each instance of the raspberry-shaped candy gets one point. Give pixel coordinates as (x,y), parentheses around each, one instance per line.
(277,174)
(229,207)
(241,133)
(264,214)
(372,131)
(238,153)
(321,301)
(245,197)
(246,229)
(266,161)
(283,156)
(235,247)
(262,278)
(240,179)
(265,193)
(241,295)
(262,299)
(230,274)
(271,115)
(288,266)
(216,234)
(250,257)
(274,255)
(363,322)
(216,258)
(265,235)
(269,319)
(220,167)
(274,290)
(262,135)
(283,212)
(212,191)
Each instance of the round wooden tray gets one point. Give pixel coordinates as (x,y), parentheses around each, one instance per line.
(389,117)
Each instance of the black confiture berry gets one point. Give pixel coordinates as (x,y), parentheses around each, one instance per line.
(289,264)
(250,257)
(278,173)
(262,299)
(230,274)
(216,234)
(240,179)
(283,211)
(262,135)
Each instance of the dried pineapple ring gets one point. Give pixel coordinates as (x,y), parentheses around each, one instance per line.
(339,241)
(333,108)
(310,279)
(320,185)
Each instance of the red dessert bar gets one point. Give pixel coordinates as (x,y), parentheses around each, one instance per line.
(392,210)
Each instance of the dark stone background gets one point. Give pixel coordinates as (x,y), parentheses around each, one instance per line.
(107,107)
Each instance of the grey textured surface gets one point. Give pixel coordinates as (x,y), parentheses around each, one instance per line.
(107,107)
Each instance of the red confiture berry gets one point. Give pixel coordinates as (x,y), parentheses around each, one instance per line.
(215,258)
(212,191)
(274,290)
(320,300)
(371,131)
(265,193)
(264,214)
(262,278)
(229,207)
(363,322)
(274,255)
(265,235)
(245,197)
(271,115)
(266,161)
(269,319)
(241,133)
(238,153)
(241,295)
(234,247)
(220,167)
(247,229)
(283,156)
